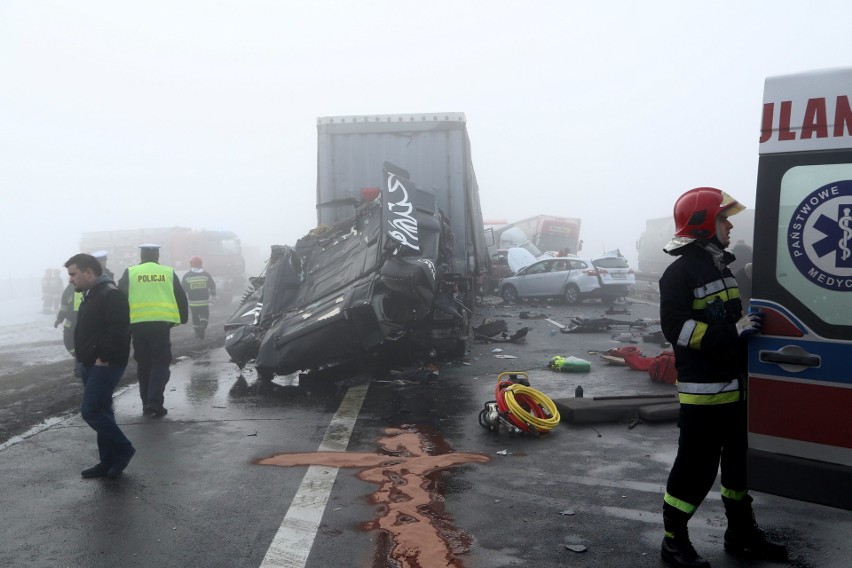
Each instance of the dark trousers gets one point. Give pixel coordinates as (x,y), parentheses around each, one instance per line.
(709,436)
(200,318)
(152,350)
(99,382)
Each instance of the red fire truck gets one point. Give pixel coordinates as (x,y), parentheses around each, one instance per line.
(220,250)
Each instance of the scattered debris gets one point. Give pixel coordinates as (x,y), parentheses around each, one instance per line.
(576,547)
(490,328)
(505,356)
(503,453)
(615,311)
(655,337)
(625,337)
(497,330)
(592,325)
(567,512)
(569,364)
(527,315)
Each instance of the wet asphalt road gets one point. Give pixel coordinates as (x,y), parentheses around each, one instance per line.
(195,495)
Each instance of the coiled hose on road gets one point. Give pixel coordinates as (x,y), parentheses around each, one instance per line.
(518,407)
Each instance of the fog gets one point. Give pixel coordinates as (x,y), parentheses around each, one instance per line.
(203,114)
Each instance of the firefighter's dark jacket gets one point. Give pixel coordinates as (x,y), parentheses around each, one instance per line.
(103,325)
(180,295)
(699,308)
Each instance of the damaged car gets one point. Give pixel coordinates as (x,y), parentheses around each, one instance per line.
(375,288)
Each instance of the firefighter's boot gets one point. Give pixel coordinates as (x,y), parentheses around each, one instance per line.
(744,538)
(677,551)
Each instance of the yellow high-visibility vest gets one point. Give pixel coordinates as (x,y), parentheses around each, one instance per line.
(151,294)
(78,299)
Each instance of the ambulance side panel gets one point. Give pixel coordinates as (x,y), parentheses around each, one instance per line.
(800,365)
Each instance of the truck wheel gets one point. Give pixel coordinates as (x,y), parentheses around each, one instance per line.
(509,294)
(572,294)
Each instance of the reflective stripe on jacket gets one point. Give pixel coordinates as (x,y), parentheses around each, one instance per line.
(151,294)
(199,287)
(699,307)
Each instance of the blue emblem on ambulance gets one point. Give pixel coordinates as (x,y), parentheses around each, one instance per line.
(819,237)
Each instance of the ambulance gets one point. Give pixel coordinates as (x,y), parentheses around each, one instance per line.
(800,365)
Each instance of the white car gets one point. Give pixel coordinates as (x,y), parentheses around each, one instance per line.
(615,276)
(607,277)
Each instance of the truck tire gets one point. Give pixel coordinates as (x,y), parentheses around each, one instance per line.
(572,294)
(510,294)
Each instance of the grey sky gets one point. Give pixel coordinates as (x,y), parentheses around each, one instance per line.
(203,113)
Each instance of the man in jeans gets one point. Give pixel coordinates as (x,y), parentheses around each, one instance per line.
(102,346)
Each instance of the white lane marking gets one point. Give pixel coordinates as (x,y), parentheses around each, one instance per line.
(295,537)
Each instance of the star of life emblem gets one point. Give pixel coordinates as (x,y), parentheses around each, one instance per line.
(819,236)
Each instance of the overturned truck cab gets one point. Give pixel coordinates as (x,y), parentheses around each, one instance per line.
(373,289)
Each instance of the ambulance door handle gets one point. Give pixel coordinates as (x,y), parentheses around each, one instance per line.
(791,355)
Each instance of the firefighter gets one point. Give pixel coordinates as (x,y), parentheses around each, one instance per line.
(200,291)
(157,303)
(702,317)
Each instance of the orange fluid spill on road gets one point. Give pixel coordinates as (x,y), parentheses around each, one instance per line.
(422,535)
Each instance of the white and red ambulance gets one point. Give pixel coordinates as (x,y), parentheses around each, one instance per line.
(800,366)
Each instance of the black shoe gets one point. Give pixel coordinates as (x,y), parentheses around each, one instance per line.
(680,554)
(752,544)
(120,465)
(159,411)
(147,411)
(99,470)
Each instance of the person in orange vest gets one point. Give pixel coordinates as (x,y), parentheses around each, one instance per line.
(157,303)
(200,290)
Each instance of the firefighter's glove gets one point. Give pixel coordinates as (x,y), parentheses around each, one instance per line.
(749,324)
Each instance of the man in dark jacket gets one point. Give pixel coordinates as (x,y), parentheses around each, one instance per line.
(102,346)
(701,316)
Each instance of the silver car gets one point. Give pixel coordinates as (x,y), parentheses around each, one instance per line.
(570,278)
(614,275)
(607,277)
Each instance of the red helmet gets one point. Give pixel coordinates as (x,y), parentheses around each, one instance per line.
(195,262)
(695,211)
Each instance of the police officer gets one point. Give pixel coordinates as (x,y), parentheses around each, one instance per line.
(102,256)
(200,290)
(702,317)
(157,303)
(69,305)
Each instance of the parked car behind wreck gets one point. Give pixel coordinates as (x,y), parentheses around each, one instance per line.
(607,277)
(373,288)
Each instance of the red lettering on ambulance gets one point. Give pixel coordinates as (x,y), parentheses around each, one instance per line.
(815,121)
(766,124)
(842,117)
(784,132)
